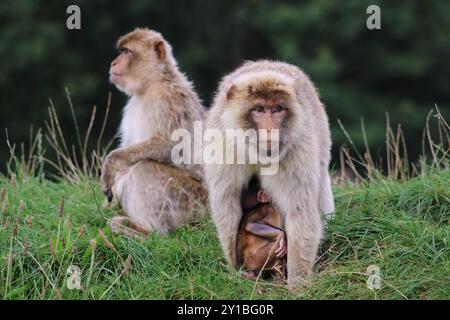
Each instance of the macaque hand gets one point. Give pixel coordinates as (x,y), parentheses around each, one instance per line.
(263,197)
(107,183)
(108,173)
(281,250)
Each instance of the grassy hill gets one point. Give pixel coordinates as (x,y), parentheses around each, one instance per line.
(397,222)
(400,226)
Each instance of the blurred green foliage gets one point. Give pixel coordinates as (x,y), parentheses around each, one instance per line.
(402,69)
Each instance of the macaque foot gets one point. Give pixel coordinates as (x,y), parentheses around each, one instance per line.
(279,277)
(250,274)
(109,195)
(123,225)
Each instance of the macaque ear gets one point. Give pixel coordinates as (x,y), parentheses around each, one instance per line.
(160,50)
(231,92)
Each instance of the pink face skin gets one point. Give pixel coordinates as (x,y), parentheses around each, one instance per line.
(120,66)
(268,114)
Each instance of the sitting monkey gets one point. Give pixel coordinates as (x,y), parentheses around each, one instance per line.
(155,193)
(261,243)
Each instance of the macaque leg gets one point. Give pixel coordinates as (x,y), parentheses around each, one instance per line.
(263,230)
(157,198)
(126,226)
(303,237)
(269,232)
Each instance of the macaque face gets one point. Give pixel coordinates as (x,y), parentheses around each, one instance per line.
(268,115)
(120,67)
(140,61)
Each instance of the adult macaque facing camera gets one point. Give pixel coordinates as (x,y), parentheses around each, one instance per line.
(274,97)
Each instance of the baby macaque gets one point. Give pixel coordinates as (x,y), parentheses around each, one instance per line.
(261,243)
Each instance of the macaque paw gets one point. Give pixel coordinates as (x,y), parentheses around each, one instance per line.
(109,195)
(281,250)
(263,197)
(107,180)
(249,274)
(107,183)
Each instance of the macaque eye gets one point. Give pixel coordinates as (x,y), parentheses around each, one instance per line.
(124,50)
(277,109)
(259,109)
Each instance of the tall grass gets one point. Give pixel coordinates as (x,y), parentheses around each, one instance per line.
(73,163)
(396,165)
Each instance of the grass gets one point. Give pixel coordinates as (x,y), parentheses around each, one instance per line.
(398,221)
(402,227)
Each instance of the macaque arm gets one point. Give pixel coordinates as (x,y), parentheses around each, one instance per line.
(226,211)
(263,230)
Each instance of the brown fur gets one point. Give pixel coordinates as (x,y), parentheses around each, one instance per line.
(256,253)
(161,100)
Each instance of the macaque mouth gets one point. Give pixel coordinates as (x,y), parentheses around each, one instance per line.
(115,77)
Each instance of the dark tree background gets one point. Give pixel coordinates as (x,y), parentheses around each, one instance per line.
(402,69)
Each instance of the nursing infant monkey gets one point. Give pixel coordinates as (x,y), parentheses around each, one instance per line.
(261,243)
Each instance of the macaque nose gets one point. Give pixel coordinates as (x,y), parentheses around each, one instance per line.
(114,62)
(267,123)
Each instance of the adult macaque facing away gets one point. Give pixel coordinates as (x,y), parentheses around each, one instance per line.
(261,243)
(155,195)
(266,95)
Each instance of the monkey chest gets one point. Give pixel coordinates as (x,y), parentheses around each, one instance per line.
(138,126)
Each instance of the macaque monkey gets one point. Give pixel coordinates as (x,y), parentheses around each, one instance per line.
(261,243)
(155,194)
(274,97)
